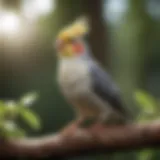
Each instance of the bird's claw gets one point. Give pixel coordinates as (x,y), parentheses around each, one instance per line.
(87,123)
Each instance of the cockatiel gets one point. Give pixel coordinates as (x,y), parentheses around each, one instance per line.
(86,86)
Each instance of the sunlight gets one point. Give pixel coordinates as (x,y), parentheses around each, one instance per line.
(9,23)
(114,10)
(33,9)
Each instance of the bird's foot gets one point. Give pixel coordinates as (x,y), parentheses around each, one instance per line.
(70,128)
(103,123)
(113,122)
(87,123)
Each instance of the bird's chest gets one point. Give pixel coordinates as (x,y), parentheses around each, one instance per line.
(74,78)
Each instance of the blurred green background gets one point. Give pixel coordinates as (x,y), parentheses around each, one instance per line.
(124,37)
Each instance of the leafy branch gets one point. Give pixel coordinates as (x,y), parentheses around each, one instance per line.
(148,110)
(148,106)
(11,111)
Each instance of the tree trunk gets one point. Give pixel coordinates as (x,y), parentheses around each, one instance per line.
(10,4)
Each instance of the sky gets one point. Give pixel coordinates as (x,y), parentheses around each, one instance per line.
(11,22)
(32,9)
(115,9)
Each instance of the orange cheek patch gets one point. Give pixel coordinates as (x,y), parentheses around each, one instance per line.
(78,48)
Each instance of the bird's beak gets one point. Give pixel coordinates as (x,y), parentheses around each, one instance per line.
(68,51)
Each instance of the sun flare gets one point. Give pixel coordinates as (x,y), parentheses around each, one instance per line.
(9,23)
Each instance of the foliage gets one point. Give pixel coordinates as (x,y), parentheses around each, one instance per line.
(11,111)
(148,106)
(146,155)
(148,111)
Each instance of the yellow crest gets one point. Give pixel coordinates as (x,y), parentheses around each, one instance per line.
(77,29)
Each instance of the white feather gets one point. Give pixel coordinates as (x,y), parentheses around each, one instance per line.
(76,85)
(73,76)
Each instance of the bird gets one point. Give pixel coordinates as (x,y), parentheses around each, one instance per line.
(86,86)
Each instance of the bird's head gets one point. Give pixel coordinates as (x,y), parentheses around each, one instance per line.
(69,42)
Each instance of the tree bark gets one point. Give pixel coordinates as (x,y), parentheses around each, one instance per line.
(73,141)
(98,36)
(10,4)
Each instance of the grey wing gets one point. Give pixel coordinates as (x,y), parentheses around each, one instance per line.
(106,89)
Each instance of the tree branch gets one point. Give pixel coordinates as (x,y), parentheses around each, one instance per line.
(74,141)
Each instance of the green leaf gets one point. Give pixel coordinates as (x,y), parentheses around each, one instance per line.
(29,99)
(2,109)
(2,103)
(11,109)
(14,133)
(145,155)
(145,101)
(9,129)
(30,118)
